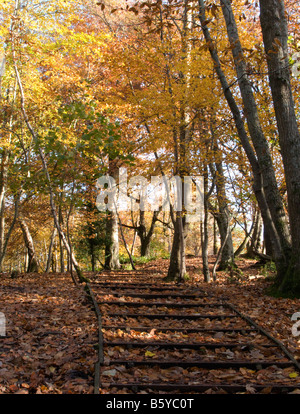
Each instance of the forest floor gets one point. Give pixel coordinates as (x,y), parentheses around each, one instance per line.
(52,332)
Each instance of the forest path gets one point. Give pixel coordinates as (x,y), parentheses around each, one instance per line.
(158,337)
(181,338)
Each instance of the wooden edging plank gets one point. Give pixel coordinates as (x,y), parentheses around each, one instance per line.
(189,345)
(141,286)
(256,365)
(167,315)
(271,388)
(100,361)
(174,329)
(269,336)
(202,363)
(167,304)
(158,295)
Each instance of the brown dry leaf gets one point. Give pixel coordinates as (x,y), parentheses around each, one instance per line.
(250,389)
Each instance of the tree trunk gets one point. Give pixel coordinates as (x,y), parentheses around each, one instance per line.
(177,266)
(258,186)
(50,250)
(227,256)
(142,233)
(267,243)
(258,234)
(222,218)
(275,36)
(54,259)
(146,237)
(254,242)
(133,243)
(260,143)
(93,257)
(3,182)
(62,258)
(247,237)
(9,232)
(32,260)
(215,247)
(145,247)
(204,230)
(25,260)
(112,228)
(220,252)
(61,245)
(112,242)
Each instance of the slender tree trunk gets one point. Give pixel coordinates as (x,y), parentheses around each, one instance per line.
(61,244)
(93,257)
(146,237)
(275,37)
(215,247)
(258,235)
(32,260)
(112,228)
(214,275)
(227,255)
(62,256)
(54,258)
(222,218)
(133,243)
(3,182)
(252,246)
(204,230)
(255,243)
(25,260)
(50,250)
(11,227)
(247,237)
(125,244)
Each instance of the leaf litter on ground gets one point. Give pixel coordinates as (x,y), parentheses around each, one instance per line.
(52,333)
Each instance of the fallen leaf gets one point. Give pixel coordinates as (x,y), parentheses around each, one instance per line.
(149,354)
(109,373)
(250,389)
